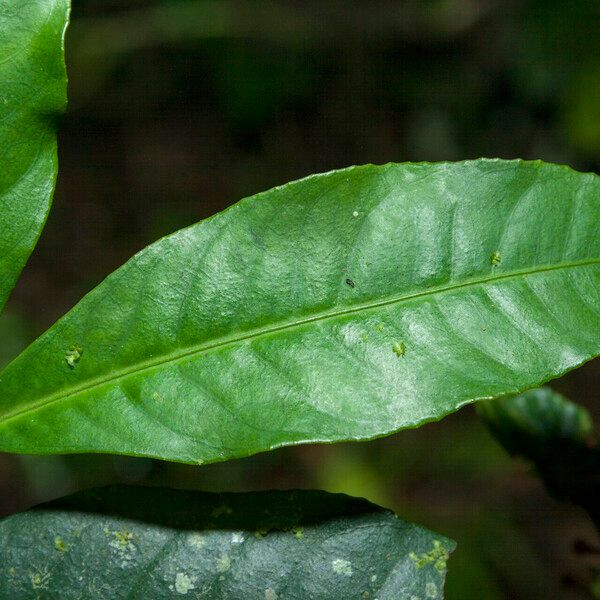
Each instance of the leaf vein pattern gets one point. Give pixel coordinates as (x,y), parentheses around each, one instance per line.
(186,353)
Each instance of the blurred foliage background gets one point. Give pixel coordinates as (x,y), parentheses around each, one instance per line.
(179,108)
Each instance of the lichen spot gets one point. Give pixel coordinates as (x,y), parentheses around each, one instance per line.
(73,356)
(342,567)
(431,590)
(39,579)
(495,258)
(355,214)
(197,540)
(184,583)
(237,538)
(123,538)
(373,578)
(298,532)
(399,349)
(223,563)
(437,556)
(59,544)
(271,594)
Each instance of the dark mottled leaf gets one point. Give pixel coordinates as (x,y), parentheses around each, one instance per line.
(136,544)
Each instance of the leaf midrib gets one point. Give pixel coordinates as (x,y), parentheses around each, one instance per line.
(259,332)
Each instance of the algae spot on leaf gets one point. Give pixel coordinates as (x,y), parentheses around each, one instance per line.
(123,538)
(495,258)
(399,349)
(259,534)
(40,579)
(73,356)
(60,545)
(437,556)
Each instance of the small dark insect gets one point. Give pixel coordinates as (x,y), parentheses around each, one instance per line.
(350,282)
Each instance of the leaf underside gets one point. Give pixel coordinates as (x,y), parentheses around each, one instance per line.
(344,306)
(32,97)
(136,543)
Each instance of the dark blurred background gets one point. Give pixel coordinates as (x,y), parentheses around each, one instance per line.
(179,108)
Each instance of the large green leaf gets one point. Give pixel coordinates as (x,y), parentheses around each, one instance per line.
(32,95)
(135,543)
(343,306)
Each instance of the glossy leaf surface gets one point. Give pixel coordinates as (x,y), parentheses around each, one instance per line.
(137,543)
(32,96)
(343,306)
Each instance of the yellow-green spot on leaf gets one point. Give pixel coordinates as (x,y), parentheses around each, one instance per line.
(298,532)
(271,594)
(259,534)
(431,590)
(59,544)
(223,563)
(197,540)
(73,356)
(183,583)
(342,567)
(437,556)
(12,571)
(495,258)
(399,349)
(364,337)
(123,537)
(40,579)
(379,327)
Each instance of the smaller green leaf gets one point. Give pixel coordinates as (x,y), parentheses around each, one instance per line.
(138,543)
(557,436)
(526,424)
(32,98)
